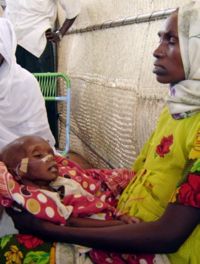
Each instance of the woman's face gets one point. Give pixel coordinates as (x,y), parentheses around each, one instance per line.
(168,65)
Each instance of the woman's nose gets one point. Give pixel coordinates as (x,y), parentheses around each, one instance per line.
(160,51)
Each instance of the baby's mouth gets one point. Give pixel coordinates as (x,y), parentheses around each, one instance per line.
(53,169)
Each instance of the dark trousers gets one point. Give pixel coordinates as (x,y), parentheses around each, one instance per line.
(45,63)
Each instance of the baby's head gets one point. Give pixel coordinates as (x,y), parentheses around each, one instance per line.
(30,159)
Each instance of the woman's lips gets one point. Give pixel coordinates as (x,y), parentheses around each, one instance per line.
(159,70)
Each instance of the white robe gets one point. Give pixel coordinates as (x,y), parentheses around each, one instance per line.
(22,107)
(31,18)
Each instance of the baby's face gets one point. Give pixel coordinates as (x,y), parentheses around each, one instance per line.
(41,165)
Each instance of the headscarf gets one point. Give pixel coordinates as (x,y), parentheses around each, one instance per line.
(22,108)
(184,98)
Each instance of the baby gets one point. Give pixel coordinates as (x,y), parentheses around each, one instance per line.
(33,181)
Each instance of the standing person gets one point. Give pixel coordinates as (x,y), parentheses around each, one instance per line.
(34,25)
(170,157)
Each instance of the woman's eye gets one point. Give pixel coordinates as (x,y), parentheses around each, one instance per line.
(172,40)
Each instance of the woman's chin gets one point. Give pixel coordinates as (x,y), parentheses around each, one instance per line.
(162,79)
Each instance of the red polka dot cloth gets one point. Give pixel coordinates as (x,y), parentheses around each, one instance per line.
(77,192)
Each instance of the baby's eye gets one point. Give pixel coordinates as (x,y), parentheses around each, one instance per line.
(38,155)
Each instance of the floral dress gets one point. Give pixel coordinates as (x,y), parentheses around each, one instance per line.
(188,194)
(161,166)
(26,249)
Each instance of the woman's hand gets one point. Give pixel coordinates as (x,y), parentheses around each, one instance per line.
(129,219)
(24,221)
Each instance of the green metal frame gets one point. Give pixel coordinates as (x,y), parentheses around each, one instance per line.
(48,85)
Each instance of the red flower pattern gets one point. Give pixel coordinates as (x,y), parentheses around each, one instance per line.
(29,241)
(164,146)
(104,257)
(189,192)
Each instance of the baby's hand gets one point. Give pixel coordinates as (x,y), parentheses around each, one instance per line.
(129,219)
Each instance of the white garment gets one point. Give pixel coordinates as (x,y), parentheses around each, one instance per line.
(22,107)
(31,18)
(6,225)
(185,95)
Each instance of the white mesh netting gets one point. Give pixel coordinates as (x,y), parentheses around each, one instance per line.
(115,98)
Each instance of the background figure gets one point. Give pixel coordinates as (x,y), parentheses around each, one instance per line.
(34,23)
(22,108)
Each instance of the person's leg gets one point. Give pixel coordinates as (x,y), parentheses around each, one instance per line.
(27,60)
(47,64)
(47,59)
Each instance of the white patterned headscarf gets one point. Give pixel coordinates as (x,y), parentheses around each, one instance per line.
(184,98)
(22,107)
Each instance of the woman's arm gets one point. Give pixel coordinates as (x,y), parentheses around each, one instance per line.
(89,222)
(162,236)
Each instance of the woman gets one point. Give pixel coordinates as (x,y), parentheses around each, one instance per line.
(169,158)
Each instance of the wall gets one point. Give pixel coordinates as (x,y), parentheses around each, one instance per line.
(115,97)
